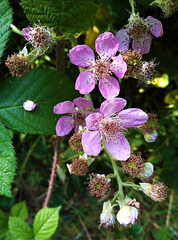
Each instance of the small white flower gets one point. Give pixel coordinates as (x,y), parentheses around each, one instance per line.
(29,105)
(107,217)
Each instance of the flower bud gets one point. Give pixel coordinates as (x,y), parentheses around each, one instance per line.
(157,192)
(29,105)
(151,137)
(107,217)
(147,171)
(127,215)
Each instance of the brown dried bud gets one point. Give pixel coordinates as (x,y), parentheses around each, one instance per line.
(134,62)
(17,64)
(79,166)
(98,185)
(134,165)
(157,191)
(151,125)
(75,142)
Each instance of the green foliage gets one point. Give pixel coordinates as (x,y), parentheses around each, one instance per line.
(68,16)
(46,88)
(7,162)
(20,229)
(163,234)
(5,21)
(20,210)
(46,222)
(3,223)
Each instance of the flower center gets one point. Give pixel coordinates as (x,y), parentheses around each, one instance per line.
(78,117)
(100,69)
(136,27)
(111,127)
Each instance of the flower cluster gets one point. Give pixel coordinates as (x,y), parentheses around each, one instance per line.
(106,127)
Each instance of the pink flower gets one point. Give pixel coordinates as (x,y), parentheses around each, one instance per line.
(100,69)
(139,30)
(111,123)
(66,123)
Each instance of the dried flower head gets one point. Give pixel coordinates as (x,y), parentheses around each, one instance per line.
(98,185)
(134,165)
(134,63)
(17,64)
(151,125)
(39,37)
(147,71)
(168,6)
(75,142)
(157,191)
(107,217)
(79,166)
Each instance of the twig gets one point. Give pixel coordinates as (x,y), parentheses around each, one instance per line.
(169,207)
(84,228)
(51,182)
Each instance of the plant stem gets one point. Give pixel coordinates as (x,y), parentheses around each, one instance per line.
(133,185)
(23,167)
(132,4)
(116,172)
(51,182)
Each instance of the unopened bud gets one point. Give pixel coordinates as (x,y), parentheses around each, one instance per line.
(151,137)
(147,171)
(127,215)
(29,105)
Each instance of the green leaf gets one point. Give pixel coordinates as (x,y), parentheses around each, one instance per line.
(20,229)
(68,16)
(43,86)
(5,21)
(20,210)
(3,223)
(7,162)
(45,223)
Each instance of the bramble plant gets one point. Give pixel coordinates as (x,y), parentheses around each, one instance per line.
(87,126)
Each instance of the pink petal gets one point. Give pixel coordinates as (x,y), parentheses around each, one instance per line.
(132,117)
(64,107)
(106,45)
(85,82)
(82,103)
(155,25)
(109,87)
(118,67)
(112,106)
(92,121)
(26,33)
(143,44)
(123,39)
(82,56)
(119,149)
(64,126)
(91,142)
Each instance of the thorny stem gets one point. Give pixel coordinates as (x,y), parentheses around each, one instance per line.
(132,4)
(51,182)
(60,68)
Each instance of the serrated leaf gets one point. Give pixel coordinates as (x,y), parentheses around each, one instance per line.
(20,210)
(3,223)
(5,21)
(7,162)
(20,229)
(68,16)
(45,223)
(43,86)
